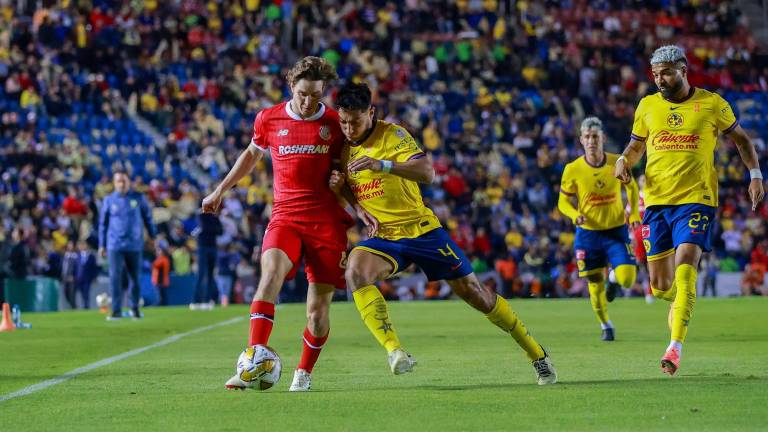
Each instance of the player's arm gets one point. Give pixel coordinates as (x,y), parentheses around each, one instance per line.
(244,165)
(633,196)
(566,207)
(749,157)
(419,168)
(338,185)
(103,226)
(629,157)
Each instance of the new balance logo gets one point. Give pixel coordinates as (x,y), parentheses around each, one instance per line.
(282,132)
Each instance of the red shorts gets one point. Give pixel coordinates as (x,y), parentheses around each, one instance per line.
(323,247)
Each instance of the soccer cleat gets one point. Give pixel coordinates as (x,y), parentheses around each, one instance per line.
(545,370)
(401,362)
(608,335)
(136,314)
(302,381)
(613,290)
(671,361)
(235,383)
(114,316)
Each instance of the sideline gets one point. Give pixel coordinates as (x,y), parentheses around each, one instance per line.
(73,373)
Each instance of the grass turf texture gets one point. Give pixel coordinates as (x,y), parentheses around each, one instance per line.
(470,376)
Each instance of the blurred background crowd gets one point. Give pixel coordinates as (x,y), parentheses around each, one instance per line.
(495,90)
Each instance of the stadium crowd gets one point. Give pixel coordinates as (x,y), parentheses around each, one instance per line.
(494,90)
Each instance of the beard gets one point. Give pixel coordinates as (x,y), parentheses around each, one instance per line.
(668,92)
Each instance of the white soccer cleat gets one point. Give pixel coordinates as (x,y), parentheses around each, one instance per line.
(302,381)
(401,362)
(235,383)
(545,370)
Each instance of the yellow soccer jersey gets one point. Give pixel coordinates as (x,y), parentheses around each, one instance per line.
(396,202)
(680,142)
(598,193)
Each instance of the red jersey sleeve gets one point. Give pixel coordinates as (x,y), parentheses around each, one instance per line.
(259,138)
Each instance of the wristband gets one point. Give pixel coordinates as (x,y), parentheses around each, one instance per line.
(755,173)
(386,166)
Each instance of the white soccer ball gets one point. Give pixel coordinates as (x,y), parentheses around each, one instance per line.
(259,366)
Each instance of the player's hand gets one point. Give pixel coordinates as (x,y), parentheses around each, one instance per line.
(756,192)
(212,203)
(336,182)
(622,172)
(365,163)
(580,220)
(102,252)
(368,219)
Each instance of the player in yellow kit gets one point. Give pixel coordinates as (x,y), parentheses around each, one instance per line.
(601,230)
(383,166)
(678,127)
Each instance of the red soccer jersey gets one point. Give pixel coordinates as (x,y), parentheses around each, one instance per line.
(302,152)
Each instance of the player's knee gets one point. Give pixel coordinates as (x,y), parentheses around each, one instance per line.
(318,321)
(476,294)
(357,278)
(661,282)
(626,275)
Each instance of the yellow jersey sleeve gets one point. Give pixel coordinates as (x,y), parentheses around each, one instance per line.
(403,146)
(639,127)
(568,182)
(726,120)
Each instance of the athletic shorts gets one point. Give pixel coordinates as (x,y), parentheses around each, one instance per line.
(323,247)
(596,249)
(665,227)
(438,256)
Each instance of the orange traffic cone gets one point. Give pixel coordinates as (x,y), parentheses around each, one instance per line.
(7,324)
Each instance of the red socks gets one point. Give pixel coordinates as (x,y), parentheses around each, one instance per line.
(312,347)
(262,318)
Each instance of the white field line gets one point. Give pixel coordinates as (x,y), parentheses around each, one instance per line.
(107,361)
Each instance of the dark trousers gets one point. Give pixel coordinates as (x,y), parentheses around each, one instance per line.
(206,264)
(124,263)
(84,286)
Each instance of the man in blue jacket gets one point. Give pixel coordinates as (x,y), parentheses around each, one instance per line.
(123,215)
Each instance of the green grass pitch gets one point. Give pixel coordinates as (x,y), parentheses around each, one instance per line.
(470,376)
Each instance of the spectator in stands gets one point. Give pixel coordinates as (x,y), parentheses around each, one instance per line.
(20,257)
(753,281)
(123,215)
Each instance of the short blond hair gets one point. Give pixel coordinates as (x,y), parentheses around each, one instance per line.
(312,69)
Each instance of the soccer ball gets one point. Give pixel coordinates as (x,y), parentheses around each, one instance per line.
(259,366)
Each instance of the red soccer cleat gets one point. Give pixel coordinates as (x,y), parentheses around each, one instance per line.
(671,361)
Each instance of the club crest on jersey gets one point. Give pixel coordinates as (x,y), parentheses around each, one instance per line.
(581,254)
(645,231)
(675,120)
(600,183)
(325,132)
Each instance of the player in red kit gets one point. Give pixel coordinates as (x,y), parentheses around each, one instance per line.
(304,139)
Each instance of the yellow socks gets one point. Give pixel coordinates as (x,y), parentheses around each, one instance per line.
(685,279)
(668,295)
(504,318)
(375,314)
(599,302)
